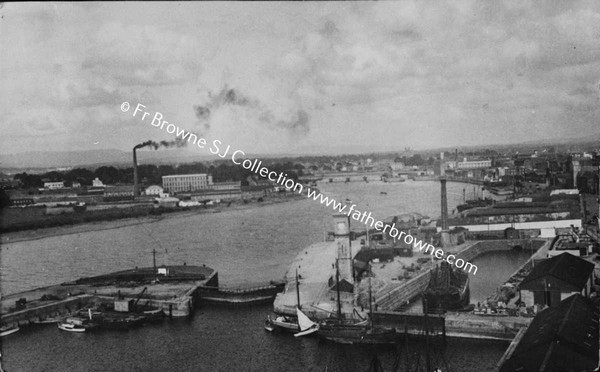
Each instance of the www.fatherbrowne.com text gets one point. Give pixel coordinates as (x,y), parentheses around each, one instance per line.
(216,147)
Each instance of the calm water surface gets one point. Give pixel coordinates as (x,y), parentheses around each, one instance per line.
(245,246)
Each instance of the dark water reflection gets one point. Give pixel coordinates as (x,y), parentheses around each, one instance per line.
(223,339)
(253,245)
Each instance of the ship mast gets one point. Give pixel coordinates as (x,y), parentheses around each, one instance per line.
(298,297)
(297,289)
(370,300)
(337,281)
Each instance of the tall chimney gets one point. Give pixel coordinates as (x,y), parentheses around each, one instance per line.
(455,161)
(444,205)
(136,187)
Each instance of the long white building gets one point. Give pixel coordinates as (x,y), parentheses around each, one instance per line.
(474,164)
(187,182)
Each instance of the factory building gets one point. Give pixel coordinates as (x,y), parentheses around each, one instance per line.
(474,164)
(187,182)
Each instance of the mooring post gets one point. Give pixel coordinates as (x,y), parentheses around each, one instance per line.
(406,340)
(443,329)
(170,311)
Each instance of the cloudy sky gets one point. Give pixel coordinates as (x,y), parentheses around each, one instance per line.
(299,77)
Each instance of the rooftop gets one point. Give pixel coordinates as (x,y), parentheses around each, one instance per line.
(569,269)
(185,175)
(563,338)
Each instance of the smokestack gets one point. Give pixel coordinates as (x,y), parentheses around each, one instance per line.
(444,205)
(136,187)
(455,160)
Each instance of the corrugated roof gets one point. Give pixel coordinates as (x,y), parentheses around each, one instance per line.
(563,338)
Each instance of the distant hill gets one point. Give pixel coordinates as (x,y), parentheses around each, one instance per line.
(97,158)
(90,158)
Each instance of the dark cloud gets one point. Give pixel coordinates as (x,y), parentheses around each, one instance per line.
(329,29)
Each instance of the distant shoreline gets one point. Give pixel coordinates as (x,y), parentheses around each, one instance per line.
(35,234)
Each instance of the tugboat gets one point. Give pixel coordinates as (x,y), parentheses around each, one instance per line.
(448,289)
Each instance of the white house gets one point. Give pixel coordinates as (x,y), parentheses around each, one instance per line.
(97,183)
(154,190)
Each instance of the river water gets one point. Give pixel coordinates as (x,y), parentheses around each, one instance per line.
(245,246)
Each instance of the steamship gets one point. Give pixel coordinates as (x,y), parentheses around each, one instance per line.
(448,289)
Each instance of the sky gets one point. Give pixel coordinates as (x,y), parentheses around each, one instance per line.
(299,77)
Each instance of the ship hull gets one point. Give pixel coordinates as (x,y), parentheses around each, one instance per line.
(347,334)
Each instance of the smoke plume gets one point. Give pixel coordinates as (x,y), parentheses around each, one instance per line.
(156,145)
(297,121)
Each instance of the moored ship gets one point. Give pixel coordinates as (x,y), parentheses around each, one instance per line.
(337,330)
(448,289)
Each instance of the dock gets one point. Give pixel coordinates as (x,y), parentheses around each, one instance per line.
(392,292)
(177,290)
(174,289)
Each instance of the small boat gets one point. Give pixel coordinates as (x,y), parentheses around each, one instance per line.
(301,325)
(281,322)
(70,327)
(154,315)
(269,325)
(48,321)
(305,325)
(8,330)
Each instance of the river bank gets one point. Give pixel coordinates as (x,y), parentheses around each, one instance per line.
(40,233)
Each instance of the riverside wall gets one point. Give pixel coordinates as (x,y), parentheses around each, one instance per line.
(44,311)
(466,325)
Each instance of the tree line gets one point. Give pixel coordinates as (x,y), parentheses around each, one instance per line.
(150,174)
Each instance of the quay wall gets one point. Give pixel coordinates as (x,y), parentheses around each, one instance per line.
(350,177)
(53,309)
(176,307)
(553,224)
(459,325)
(485,327)
(469,253)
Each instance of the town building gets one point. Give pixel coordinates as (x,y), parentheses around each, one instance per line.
(154,190)
(116,193)
(233,185)
(186,182)
(474,164)
(54,185)
(554,279)
(166,202)
(97,183)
